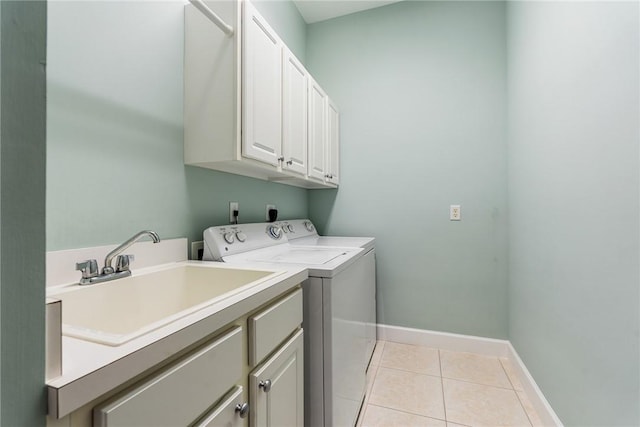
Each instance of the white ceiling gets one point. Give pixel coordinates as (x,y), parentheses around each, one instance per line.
(320,10)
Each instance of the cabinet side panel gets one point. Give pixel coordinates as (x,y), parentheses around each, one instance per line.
(211,85)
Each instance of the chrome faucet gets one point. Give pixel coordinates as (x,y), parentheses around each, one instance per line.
(89,268)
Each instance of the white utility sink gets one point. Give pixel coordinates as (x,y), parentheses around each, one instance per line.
(115,312)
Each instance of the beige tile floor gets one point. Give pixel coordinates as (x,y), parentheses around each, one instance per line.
(421,386)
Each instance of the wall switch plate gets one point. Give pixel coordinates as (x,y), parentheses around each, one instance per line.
(233,206)
(269,207)
(455,213)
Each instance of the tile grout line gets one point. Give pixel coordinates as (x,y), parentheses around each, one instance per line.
(477,383)
(410,372)
(406,372)
(506,374)
(378,405)
(395,368)
(524,409)
(516,392)
(444,402)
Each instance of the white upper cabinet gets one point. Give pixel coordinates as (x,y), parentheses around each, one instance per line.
(333,144)
(294,114)
(262,90)
(317,131)
(250,107)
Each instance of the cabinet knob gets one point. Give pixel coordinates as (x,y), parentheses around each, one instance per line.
(242,409)
(281,159)
(289,162)
(265,385)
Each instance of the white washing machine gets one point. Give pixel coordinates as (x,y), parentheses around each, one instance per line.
(337,320)
(302,233)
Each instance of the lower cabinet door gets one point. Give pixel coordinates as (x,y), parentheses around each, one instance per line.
(228,413)
(180,393)
(276,388)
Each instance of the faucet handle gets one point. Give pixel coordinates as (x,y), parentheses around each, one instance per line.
(123,262)
(89,268)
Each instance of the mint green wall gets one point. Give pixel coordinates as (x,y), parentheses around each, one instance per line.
(421,91)
(283,16)
(114,128)
(574,205)
(22,212)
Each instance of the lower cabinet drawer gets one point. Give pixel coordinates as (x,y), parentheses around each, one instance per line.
(269,328)
(181,393)
(228,413)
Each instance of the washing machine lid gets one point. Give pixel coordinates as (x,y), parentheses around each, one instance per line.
(366,243)
(302,232)
(309,256)
(321,261)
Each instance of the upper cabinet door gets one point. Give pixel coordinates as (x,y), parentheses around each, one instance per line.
(333,155)
(294,114)
(261,90)
(317,130)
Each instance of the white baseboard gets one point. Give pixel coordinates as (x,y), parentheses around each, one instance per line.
(478,345)
(539,402)
(444,340)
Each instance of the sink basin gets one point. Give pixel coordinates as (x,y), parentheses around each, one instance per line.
(115,312)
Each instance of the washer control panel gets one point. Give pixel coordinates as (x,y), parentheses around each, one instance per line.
(298,228)
(224,240)
(274,231)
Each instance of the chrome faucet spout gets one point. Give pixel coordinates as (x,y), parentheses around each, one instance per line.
(108,269)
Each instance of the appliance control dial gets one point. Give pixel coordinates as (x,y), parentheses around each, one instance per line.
(274,232)
(229,238)
(290,227)
(241,236)
(309,226)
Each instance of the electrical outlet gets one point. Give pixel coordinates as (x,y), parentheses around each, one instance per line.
(233,206)
(454,213)
(269,207)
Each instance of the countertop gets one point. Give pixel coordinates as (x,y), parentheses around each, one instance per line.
(90,370)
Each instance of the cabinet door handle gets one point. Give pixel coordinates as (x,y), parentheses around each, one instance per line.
(242,409)
(265,385)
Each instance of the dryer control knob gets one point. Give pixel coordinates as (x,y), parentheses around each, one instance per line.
(229,238)
(309,226)
(274,232)
(290,227)
(241,236)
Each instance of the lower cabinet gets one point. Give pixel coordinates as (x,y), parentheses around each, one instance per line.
(276,387)
(218,383)
(181,393)
(228,413)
